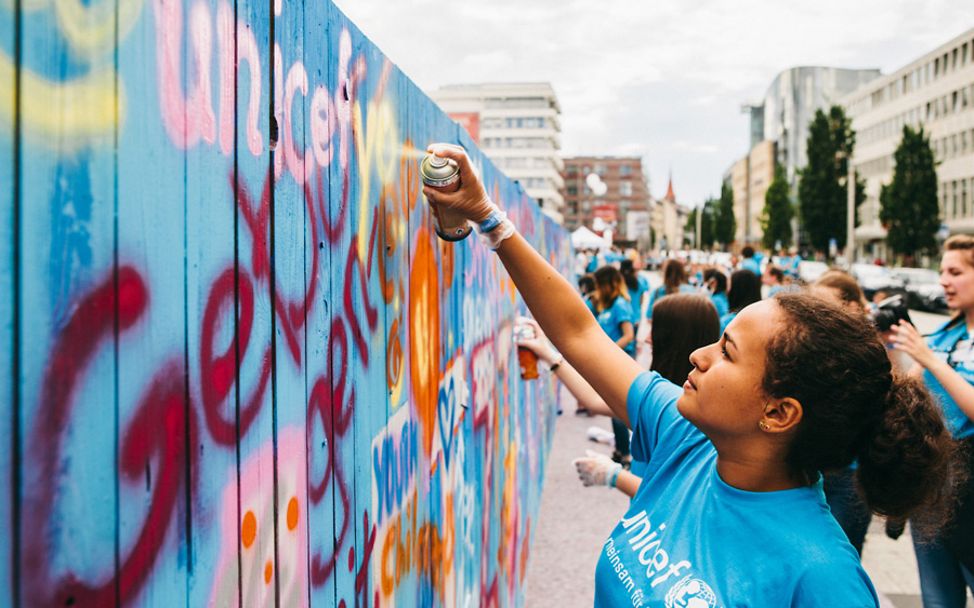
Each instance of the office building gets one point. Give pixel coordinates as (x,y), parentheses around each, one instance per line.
(936,92)
(517,125)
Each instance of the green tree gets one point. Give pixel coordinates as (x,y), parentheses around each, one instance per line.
(778,212)
(908,205)
(822,185)
(724,223)
(706,223)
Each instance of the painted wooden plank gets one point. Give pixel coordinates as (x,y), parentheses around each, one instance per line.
(255,390)
(67,306)
(295,292)
(326,333)
(350,329)
(212,300)
(9,346)
(155,65)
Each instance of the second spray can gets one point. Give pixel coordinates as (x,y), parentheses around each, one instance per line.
(444,174)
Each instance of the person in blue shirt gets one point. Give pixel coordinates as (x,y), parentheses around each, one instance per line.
(745,289)
(946,365)
(750,261)
(614,315)
(849,509)
(638,288)
(730,511)
(774,278)
(674,281)
(716,283)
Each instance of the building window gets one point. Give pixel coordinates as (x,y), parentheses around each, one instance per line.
(625,170)
(963,198)
(625,188)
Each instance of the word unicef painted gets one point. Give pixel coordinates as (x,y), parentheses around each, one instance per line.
(241,368)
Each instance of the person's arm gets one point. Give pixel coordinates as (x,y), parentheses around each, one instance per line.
(576,385)
(628,334)
(552,299)
(627,483)
(596,469)
(906,338)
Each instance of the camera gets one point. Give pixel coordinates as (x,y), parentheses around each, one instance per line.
(889,312)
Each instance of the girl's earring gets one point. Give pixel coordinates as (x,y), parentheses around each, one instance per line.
(764,426)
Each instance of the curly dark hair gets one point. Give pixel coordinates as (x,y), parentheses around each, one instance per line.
(854,407)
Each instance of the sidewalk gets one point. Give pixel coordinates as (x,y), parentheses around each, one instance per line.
(574,521)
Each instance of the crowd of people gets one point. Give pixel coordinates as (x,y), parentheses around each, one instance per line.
(773,422)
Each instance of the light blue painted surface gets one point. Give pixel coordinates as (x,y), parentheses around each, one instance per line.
(338,362)
(7,457)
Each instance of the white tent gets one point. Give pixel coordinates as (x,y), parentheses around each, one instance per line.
(583,238)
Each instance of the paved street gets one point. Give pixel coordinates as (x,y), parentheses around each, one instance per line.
(574,521)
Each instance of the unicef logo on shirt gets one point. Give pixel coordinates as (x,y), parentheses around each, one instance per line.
(691,593)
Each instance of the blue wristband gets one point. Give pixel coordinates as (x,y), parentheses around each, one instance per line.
(612,478)
(493,221)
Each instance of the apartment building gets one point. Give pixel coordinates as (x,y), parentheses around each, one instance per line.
(518,127)
(935,91)
(624,190)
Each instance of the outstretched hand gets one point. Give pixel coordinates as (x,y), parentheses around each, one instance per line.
(595,469)
(470,199)
(539,343)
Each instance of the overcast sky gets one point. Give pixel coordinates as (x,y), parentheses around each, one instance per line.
(659,79)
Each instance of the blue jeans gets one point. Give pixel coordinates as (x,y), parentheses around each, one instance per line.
(621,432)
(943,580)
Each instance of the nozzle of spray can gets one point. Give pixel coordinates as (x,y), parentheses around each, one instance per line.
(444,175)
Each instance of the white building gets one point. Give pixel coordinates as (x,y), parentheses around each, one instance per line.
(790,103)
(936,91)
(518,127)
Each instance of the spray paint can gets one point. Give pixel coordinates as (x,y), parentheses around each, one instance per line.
(527,360)
(444,175)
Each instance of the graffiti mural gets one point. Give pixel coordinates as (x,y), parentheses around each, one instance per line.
(243,370)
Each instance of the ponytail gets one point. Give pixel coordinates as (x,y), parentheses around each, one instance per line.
(909,463)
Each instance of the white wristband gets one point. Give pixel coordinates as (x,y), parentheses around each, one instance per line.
(495,237)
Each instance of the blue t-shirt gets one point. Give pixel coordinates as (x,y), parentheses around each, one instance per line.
(725,321)
(612,318)
(720,303)
(690,540)
(637,298)
(752,265)
(954,345)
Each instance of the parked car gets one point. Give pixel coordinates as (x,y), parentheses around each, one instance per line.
(810,270)
(923,290)
(874,278)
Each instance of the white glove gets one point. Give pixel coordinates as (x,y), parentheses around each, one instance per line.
(597,469)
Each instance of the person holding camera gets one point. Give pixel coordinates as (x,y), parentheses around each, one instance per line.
(731,512)
(946,364)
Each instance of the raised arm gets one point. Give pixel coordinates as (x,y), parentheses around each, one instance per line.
(553,301)
(563,370)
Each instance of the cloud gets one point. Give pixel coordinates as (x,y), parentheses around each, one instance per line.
(665,78)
